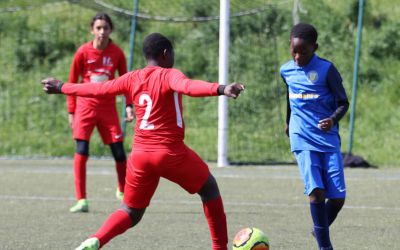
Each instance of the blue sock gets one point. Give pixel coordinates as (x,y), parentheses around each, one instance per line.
(331,211)
(321,226)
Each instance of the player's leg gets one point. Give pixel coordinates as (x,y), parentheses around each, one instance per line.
(140,187)
(84,122)
(118,152)
(214,211)
(80,159)
(111,134)
(120,221)
(117,223)
(320,218)
(311,170)
(333,207)
(335,185)
(189,171)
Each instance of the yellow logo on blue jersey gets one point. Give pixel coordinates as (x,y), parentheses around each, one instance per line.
(312,76)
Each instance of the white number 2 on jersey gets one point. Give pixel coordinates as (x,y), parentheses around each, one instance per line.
(149,103)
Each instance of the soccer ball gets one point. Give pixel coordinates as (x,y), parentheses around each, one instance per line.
(250,239)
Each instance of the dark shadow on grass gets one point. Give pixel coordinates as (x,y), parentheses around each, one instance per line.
(356,161)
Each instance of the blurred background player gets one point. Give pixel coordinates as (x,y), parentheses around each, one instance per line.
(95,62)
(158,150)
(316,103)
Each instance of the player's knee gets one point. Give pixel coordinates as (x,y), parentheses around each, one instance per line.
(117,150)
(82,147)
(317,195)
(135,214)
(209,190)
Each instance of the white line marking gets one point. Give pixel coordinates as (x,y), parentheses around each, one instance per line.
(243,173)
(188,202)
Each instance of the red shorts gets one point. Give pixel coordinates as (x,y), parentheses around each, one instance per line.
(178,164)
(106,121)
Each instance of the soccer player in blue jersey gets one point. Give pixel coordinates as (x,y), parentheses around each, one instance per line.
(316,102)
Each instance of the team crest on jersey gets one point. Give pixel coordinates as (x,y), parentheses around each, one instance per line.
(107,61)
(312,76)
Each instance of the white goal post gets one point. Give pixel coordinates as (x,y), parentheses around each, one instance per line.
(223,66)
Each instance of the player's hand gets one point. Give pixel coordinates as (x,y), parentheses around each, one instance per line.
(233,90)
(52,85)
(129,114)
(325,124)
(71,120)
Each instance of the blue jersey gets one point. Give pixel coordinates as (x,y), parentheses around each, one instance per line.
(313,92)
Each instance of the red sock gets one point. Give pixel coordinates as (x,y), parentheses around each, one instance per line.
(215,215)
(120,166)
(80,175)
(116,224)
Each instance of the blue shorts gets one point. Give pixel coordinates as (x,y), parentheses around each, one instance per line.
(322,170)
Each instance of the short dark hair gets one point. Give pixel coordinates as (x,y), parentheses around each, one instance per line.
(154,44)
(304,31)
(102,16)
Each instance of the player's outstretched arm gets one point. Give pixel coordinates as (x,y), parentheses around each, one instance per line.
(232,90)
(118,86)
(52,85)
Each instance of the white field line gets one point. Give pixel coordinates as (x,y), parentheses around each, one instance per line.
(269,173)
(196,203)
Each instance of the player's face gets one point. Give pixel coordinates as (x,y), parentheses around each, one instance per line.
(101,30)
(301,50)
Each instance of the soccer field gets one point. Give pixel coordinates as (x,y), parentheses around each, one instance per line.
(35,196)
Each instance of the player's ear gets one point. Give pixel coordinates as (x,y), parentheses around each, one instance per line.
(165,53)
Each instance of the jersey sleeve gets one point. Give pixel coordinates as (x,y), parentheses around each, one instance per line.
(335,84)
(75,72)
(118,86)
(180,83)
(288,109)
(122,69)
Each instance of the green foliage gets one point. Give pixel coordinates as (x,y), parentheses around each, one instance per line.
(386,43)
(42,42)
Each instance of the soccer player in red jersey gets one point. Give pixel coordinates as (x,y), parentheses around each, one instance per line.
(94,62)
(158,150)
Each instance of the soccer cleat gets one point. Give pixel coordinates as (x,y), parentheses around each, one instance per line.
(82,206)
(119,194)
(89,244)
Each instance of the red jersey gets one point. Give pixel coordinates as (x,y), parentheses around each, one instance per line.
(95,66)
(157,95)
